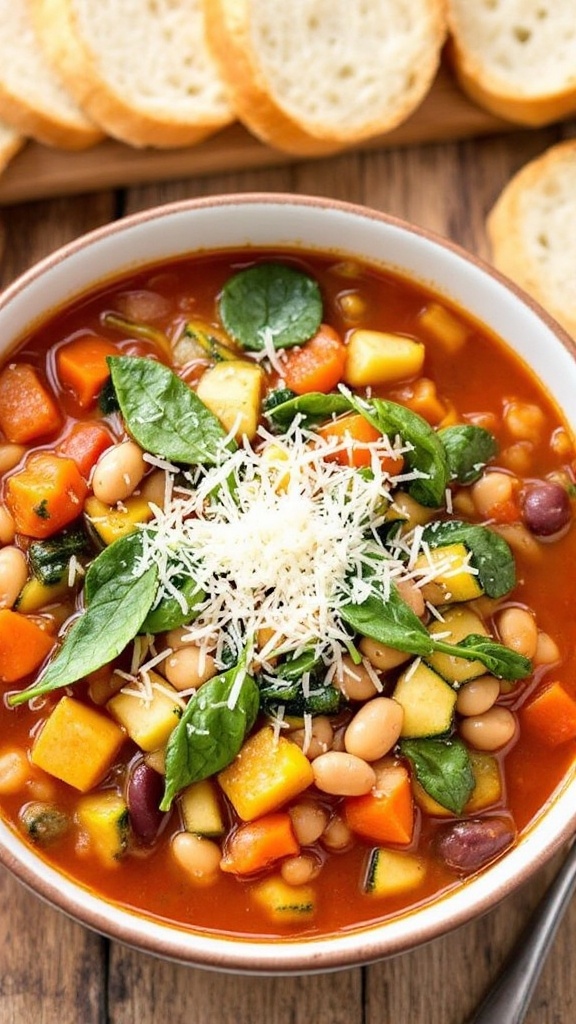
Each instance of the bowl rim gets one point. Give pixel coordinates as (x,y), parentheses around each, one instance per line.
(309,953)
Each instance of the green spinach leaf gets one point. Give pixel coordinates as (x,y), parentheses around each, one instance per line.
(427,455)
(109,623)
(490,554)
(163,414)
(390,621)
(468,449)
(169,613)
(443,769)
(210,733)
(312,408)
(273,298)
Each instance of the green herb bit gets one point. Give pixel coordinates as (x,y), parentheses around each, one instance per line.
(270,301)
(443,769)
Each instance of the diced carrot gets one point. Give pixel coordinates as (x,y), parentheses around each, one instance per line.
(85,444)
(28,410)
(422,398)
(318,365)
(551,715)
(356,432)
(23,645)
(82,367)
(386,813)
(47,494)
(259,843)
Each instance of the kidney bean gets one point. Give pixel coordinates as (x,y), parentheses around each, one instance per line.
(143,795)
(546,509)
(467,846)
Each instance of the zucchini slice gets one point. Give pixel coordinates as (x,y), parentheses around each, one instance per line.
(392,872)
(459,621)
(428,702)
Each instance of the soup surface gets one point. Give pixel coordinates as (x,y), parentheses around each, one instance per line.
(286,632)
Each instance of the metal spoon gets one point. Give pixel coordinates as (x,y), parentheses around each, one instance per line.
(508,999)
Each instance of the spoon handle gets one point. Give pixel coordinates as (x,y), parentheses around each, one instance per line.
(508,999)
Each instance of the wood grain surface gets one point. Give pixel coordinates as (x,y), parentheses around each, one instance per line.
(56,972)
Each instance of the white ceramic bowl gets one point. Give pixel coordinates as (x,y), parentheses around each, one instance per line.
(322,225)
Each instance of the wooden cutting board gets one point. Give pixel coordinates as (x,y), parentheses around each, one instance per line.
(39,172)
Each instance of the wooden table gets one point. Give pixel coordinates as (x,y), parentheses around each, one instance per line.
(56,972)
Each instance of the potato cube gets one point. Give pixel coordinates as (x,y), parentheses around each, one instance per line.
(442,325)
(232,390)
(267,772)
(110,523)
(148,721)
(452,578)
(104,817)
(375,357)
(77,744)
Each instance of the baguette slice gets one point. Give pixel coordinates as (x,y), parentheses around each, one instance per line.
(140,68)
(32,99)
(312,77)
(11,142)
(531,231)
(516,58)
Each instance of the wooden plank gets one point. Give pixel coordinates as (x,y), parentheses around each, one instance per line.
(39,172)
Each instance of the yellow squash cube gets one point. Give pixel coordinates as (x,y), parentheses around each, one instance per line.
(375,357)
(452,578)
(391,872)
(459,622)
(148,722)
(283,903)
(77,744)
(110,523)
(232,390)
(104,818)
(267,772)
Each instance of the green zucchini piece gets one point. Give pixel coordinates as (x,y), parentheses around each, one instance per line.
(428,702)
(49,559)
(391,872)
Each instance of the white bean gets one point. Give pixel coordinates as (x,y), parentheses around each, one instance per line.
(343,774)
(374,729)
(118,472)
(13,575)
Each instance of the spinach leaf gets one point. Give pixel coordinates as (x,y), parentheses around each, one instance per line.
(118,559)
(427,454)
(163,414)
(499,660)
(210,733)
(270,298)
(468,449)
(443,769)
(314,407)
(107,401)
(294,668)
(277,397)
(390,621)
(289,696)
(109,623)
(170,613)
(490,554)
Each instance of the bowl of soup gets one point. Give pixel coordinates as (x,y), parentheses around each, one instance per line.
(286,639)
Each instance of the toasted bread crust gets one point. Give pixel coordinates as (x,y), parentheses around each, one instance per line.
(530,231)
(142,124)
(270,116)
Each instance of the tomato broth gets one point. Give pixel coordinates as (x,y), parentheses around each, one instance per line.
(246,786)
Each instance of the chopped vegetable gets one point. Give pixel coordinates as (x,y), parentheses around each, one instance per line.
(353,434)
(259,843)
(82,368)
(377,357)
(391,872)
(267,773)
(77,744)
(28,410)
(386,814)
(232,391)
(104,817)
(285,904)
(428,702)
(23,645)
(318,365)
(550,714)
(85,444)
(147,718)
(46,495)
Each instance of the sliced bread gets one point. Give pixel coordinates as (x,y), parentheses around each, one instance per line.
(140,68)
(11,142)
(315,76)
(33,101)
(531,231)
(516,58)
